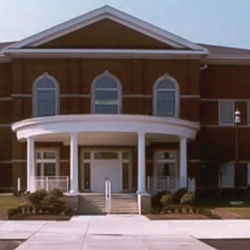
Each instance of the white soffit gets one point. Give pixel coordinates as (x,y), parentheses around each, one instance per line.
(107,12)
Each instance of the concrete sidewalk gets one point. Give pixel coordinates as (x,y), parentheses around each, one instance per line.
(121,232)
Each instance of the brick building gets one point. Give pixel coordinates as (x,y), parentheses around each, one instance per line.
(109,96)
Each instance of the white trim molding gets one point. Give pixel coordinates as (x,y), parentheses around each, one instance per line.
(68,124)
(105,53)
(107,12)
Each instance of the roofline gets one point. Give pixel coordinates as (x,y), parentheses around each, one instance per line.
(104,53)
(227,60)
(115,15)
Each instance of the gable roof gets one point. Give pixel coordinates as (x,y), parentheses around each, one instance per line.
(107,12)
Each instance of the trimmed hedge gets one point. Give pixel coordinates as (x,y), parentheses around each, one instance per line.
(176,197)
(156,199)
(166,200)
(187,199)
(52,202)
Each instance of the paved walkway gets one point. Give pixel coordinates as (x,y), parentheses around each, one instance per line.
(121,232)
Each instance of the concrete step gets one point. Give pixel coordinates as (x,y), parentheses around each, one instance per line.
(96,204)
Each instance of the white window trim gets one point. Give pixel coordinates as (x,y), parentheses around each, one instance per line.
(57,160)
(177,95)
(119,89)
(57,90)
(219,113)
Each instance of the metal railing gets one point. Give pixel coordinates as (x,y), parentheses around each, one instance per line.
(159,183)
(50,182)
(191,185)
(155,184)
(108,195)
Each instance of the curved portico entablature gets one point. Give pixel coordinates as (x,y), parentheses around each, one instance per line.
(104,123)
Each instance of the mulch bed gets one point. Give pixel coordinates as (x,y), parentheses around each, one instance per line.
(43,217)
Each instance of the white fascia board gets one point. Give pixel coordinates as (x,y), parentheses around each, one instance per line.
(104,53)
(115,15)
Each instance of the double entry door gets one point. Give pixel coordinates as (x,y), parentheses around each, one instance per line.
(101,165)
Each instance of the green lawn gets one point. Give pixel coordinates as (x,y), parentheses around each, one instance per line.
(223,206)
(9,201)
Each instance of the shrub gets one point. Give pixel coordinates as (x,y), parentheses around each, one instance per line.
(30,209)
(187,199)
(12,212)
(172,209)
(179,209)
(187,209)
(52,204)
(68,211)
(201,210)
(178,195)
(166,200)
(20,209)
(56,192)
(152,211)
(37,196)
(25,209)
(207,213)
(156,199)
(194,210)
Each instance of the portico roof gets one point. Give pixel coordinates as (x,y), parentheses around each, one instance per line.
(68,124)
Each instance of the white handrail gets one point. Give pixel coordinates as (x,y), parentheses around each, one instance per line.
(108,195)
(139,203)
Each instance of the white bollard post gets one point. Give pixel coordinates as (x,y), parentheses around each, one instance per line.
(18,184)
(47,183)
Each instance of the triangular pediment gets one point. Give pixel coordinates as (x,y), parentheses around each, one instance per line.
(106,27)
(106,34)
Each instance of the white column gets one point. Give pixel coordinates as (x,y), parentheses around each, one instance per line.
(30,164)
(183,162)
(73,163)
(141,164)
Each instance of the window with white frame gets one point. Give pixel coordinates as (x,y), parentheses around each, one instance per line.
(166,97)
(226,112)
(45,96)
(106,94)
(46,163)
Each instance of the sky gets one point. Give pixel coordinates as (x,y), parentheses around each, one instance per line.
(219,22)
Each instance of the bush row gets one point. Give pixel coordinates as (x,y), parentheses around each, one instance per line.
(175,208)
(43,202)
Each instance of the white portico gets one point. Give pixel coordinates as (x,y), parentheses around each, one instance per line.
(109,130)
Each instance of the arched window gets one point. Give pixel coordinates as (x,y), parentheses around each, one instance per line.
(166,97)
(106,94)
(45,96)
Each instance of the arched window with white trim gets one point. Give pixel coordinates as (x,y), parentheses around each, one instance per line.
(45,96)
(106,94)
(166,97)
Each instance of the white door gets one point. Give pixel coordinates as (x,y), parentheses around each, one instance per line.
(106,169)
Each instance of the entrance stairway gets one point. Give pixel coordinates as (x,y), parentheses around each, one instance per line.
(96,204)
